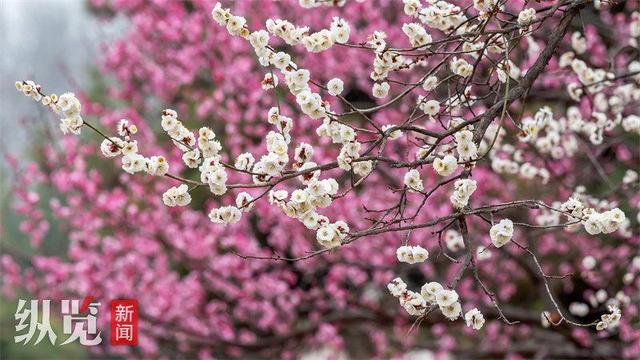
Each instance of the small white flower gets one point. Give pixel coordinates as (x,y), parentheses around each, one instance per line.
(328,237)
(430,83)
(413,181)
(397,287)
(445,166)
(446,297)
(335,86)
(501,232)
(380,90)
(244,201)
(111,147)
(157,165)
(177,196)
(452,311)
(429,291)
(474,319)
(526,16)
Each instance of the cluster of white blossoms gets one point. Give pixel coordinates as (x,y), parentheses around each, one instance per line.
(501,233)
(608,101)
(417,35)
(311,103)
(433,294)
(440,15)
(461,67)
(412,254)
(177,196)
(467,149)
(609,320)
(413,181)
(526,16)
(67,105)
(507,159)
(225,215)
(595,215)
(309,4)
(462,190)
(594,222)
(385,60)
(604,222)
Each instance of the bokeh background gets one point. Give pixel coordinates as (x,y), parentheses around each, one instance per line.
(134,58)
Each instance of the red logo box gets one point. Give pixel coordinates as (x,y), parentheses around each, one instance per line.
(124,322)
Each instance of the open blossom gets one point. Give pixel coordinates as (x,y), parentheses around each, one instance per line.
(157,165)
(244,162)
(474,319)
(270,81)
(111,147)
(177,196)
(340,30)
(133,163)
(429,107)
(417,35)
(606,222)
(463,189)
(429,291)
(330,235)
(446,297)
(461,67)
(413,303)
(397,287)
(380,90)
(526,16)
(412,254)
(445,166)
(501,232)
(430,83)
(335,86)
(225,215)
(413,181)
(452,311)
(244,201)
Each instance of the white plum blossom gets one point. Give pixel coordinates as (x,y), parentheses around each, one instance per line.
(461,67)
(225,215)
(412,254)
(501,232)
(413,181)
(335,87)
(446,297)
(397,287)
(526,16)
(380,90)
(445,166)
(474,319)
(177,196)
(463,189)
